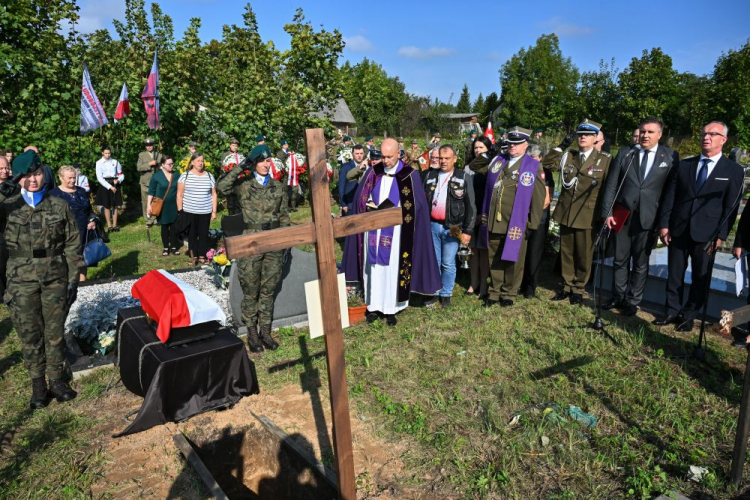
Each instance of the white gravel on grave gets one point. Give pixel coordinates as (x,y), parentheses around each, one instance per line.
(94,313)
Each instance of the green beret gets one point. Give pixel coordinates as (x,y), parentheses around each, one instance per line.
(260,153)
(283,141)
(368,138)
(260,138)
(26,162)
(347,138)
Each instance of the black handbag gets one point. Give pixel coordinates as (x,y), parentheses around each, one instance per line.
(95,251)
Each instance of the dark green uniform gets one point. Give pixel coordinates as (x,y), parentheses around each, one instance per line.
(576,209)
(263,208)
(43,245)
(507,276)
(146,170)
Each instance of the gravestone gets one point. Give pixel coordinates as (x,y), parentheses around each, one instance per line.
(289,301)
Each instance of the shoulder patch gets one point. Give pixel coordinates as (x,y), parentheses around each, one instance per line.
(604,153)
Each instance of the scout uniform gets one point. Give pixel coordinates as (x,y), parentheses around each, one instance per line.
(146,170)
(263,203)
(576,208)
(43,245)
(226,154)
(513,201)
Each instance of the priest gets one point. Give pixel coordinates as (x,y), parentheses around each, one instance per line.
(391,263)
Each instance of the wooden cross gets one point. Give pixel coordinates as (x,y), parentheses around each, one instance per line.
(322,231)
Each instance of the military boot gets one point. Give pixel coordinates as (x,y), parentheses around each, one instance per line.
(252,339)
(39,394)
(61,391)
(265,337)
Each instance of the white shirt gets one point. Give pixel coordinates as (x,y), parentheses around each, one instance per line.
(651,158)
(106,169)
(260,178)
(83,182)
(713,160)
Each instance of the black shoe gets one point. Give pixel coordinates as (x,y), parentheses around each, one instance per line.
(445,302)
(429,304)
(390,319)
(668,320)
(561,295)
(61,391)
(253,341)
(39,394)
(628,310)
(265,337)
(506,303)
(488,302)
(576,298)
(613,304)
(530,293)
(372,316)
(685,326)
(740,343)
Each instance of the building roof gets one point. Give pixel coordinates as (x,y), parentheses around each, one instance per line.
(340,114)
(459,116)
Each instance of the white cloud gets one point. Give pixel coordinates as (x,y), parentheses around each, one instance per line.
(412,52)
(98,14)
(563,28)
(358,43)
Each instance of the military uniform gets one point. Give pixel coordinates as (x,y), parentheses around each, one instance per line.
(413,154)
(263,207)
(146,170)
(577,206)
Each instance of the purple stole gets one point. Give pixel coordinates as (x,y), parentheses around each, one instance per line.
(521,205)
(379,252)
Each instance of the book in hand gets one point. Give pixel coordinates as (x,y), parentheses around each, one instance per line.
(620,214)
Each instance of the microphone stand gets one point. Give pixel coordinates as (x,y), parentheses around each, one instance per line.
(699,352)
(601,246)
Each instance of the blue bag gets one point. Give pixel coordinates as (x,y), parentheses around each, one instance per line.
(95,250)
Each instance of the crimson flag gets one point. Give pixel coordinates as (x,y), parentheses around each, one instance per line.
(488,133)
(123,105)
(150,95)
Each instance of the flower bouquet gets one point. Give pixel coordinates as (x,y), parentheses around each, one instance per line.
(231,161)
(221,266)
(345,155)
(183,165)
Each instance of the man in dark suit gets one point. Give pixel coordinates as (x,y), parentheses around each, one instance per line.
(700,198)
(642,171)
(347,187)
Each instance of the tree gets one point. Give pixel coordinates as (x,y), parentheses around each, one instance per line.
(464,101)
(599,99)
(478,105)
(490,105)
(731,88)
(538,87)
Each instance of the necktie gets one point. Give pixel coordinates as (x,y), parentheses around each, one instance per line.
(702,175)
(644,164)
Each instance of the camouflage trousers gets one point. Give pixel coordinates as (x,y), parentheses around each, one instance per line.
(38,313)
(259,275)
(144,182)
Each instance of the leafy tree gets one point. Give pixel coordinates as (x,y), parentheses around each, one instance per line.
(538,86)
(598,97)
(731,88)
(464,101)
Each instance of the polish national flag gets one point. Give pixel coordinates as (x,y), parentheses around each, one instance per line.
(424,160)
(488,133)
(174,303)
(123,105)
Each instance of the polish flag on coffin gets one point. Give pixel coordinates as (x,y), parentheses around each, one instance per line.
(174,303)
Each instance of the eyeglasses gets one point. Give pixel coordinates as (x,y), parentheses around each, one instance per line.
(169,164)
(712,134)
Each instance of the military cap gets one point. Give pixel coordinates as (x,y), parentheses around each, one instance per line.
(414,141)
(400,139)
(193,144)
(473,132)
(376,154)
(437,135)
(501,131)
(518,135)
(260,137)
(347,138)
(283,141)
(149,141)
(26,162)
(232,140)
(260,153)
(589,127)
(368,138)
(539,129)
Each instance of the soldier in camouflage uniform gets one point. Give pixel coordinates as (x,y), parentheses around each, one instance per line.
(413,154)
(43,244)
(263,201)
(148,161)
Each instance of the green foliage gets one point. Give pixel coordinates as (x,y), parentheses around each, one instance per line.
(598,96)
(731,88)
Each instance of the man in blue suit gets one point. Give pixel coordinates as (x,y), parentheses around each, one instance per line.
(348,187)
(700,198)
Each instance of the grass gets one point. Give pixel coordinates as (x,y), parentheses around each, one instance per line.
(448,384)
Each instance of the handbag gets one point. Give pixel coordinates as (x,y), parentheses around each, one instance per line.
(158,203)
(95,251)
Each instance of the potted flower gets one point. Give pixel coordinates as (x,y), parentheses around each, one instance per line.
(356,305)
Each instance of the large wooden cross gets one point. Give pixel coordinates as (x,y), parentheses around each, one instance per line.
(322,231)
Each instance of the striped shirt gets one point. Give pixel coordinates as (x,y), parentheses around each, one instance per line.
(197,196)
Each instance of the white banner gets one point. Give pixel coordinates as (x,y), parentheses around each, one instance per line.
(92,113)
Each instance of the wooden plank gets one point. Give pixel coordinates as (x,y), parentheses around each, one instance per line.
(741,315)
(353,224)
(270,241)
(327,271)
(200,468)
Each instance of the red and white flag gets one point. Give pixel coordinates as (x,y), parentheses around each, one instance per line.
(293,171)
(123,105)
(488,133)
(174,303)
(92,113)
(150,95)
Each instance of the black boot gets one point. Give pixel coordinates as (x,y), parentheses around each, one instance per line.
(39,394)
(265,337)
(252,339)
(61,391)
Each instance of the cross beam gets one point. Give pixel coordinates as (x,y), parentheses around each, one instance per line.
(322,231)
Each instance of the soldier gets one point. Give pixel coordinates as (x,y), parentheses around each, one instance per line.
(43,244)
(260,139)
(513,201)
(582,175)
(469,147)
(234,144)
(148,161)
(413,154)
(263,202)
(284,152)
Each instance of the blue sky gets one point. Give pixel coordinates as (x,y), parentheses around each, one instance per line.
(435,47)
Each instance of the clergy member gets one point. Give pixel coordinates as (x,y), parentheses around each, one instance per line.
(392,262)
